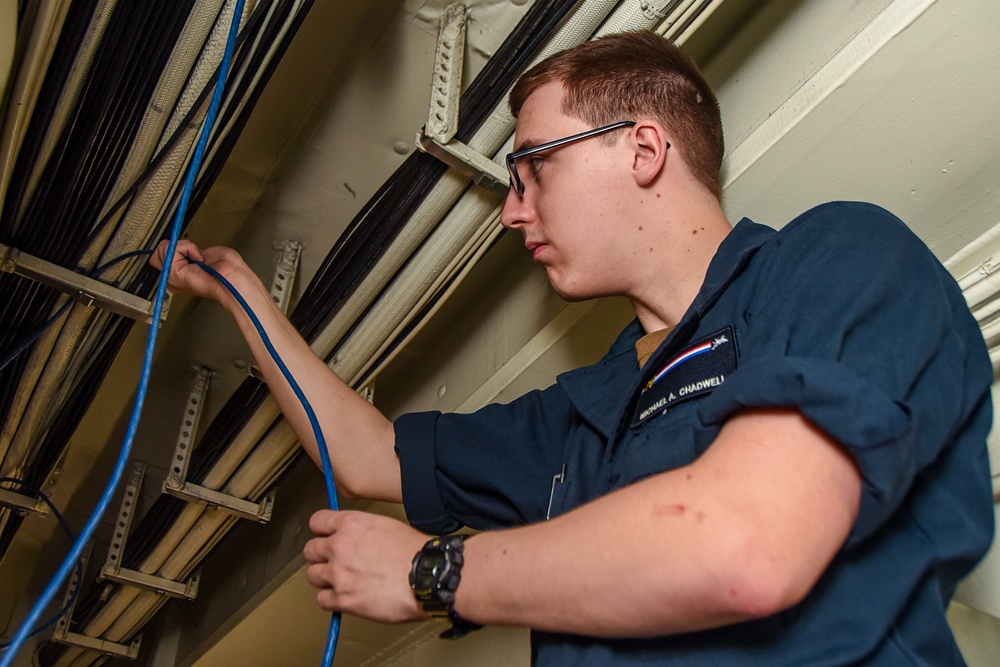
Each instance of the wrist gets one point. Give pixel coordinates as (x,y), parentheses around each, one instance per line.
(435,576)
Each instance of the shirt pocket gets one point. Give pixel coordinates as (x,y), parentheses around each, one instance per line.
(665,443)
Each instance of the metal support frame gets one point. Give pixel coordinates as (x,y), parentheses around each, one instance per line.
(85,290)
(113,569)
(437,138)
(284,274)
(62,634)
(21,503)
(449,59)
(483,171)
(176,483)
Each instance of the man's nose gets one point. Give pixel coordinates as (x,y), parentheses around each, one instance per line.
(516,211)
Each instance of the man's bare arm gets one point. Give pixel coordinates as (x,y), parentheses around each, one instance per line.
(359,438)
(742,533)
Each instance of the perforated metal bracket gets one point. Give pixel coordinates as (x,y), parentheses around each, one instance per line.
(176,483)
(113,569)
(449,59)
(22,504)
(87,291)
(189,426)
(284,274)
(244,509)
(62,634)
(437,137)
(483,171)
(657,9)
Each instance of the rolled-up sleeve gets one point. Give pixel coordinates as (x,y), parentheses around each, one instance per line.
(873,343)
(489,469)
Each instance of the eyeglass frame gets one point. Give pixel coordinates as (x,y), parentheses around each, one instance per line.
(517,184)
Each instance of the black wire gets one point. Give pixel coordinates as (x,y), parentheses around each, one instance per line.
(37,493)
(74,28)
(126,69)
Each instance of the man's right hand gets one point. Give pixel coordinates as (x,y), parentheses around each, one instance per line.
(187,278)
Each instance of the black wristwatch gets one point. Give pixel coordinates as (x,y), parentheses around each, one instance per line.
(434,577)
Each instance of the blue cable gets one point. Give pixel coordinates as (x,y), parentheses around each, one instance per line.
(324,454)
(119,470)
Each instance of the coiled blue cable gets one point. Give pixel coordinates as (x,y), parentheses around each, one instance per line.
(324,454)
(119,470)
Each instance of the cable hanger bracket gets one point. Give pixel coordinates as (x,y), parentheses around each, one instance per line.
(84,289)
(483,171)
(62,634)
(437,137)
(22,504)
(284,274)
(176,483)
(113,569)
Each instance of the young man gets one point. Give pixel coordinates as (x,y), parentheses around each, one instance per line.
(781,461)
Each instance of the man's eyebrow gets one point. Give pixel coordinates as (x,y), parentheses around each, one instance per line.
(526,144)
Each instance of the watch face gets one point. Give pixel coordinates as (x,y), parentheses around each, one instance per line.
(428,570)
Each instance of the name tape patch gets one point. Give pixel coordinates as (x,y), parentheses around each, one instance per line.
(697,370)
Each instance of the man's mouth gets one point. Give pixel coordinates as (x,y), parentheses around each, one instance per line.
(535,248)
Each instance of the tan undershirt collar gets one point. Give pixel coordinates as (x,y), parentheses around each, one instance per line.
(647,345)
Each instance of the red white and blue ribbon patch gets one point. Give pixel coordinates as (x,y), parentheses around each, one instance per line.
(698,370)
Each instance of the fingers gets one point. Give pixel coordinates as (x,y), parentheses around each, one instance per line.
(360,564)
(323,525)
(185,251)
(326,597)
(323,522)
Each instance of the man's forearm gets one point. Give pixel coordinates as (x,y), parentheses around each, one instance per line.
(359,438)
(742,533)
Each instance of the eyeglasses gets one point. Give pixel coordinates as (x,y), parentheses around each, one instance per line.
(515,180)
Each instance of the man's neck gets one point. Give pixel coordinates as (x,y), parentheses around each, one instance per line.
(671,275)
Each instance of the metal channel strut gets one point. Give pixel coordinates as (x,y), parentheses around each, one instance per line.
(21,503)
(112,566)
(284,274)
(437,138)
(62,634)
(82,288)
(176,483)
(449,59)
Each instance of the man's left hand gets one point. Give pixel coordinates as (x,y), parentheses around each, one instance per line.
(361,562)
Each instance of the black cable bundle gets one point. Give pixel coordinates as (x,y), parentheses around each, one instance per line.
(114,331)
(78,178)
(53,220)
(79,174)
(63,56)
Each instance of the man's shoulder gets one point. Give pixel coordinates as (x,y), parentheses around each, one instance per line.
(849,219)
(866,231)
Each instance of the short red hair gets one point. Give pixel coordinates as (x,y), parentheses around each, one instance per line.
(637,75)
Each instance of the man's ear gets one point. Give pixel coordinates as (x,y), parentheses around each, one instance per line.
(650,145)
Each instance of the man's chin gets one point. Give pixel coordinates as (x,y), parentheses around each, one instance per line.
(571,294)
